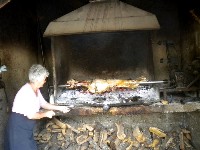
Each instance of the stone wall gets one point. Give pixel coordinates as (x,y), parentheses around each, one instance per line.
(3,115)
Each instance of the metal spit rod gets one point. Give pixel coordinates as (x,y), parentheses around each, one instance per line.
(149,82)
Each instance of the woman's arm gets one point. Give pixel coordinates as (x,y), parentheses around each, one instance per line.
(49,106)
(45,105)
(39,115)
(50,113)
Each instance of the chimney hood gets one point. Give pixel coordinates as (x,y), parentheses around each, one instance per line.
(103,16)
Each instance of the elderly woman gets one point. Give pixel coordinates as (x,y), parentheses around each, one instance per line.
(26,110)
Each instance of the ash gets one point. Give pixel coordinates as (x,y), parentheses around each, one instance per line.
(144,94)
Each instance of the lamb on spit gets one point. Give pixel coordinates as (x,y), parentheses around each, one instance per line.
(101,85)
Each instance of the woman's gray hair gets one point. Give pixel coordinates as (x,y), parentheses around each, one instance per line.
(37,73)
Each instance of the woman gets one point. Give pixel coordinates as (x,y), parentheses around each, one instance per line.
(25,111)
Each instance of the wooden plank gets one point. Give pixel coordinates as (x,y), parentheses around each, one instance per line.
(3,3)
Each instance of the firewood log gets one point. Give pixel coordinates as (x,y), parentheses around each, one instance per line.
(182,146)
(96,136)
(120,131)
(157,132)
(59,123)
(82,139)
(132,142)
(139,136)
(103,138)
(84,146)
(155,143)
(60,137)
(94,144)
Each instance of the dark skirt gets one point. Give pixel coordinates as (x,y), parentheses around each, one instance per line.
(19,133)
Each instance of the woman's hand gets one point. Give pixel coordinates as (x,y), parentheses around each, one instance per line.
(49,114)
(49,106)
(64,109)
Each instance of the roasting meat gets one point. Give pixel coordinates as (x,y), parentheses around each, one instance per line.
(101,85)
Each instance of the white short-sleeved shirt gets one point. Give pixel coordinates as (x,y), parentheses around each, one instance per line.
(26,102)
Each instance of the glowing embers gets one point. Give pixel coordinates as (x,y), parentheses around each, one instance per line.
(143,93)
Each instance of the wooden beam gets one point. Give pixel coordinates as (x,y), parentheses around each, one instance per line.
(132,110)
(3,3)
